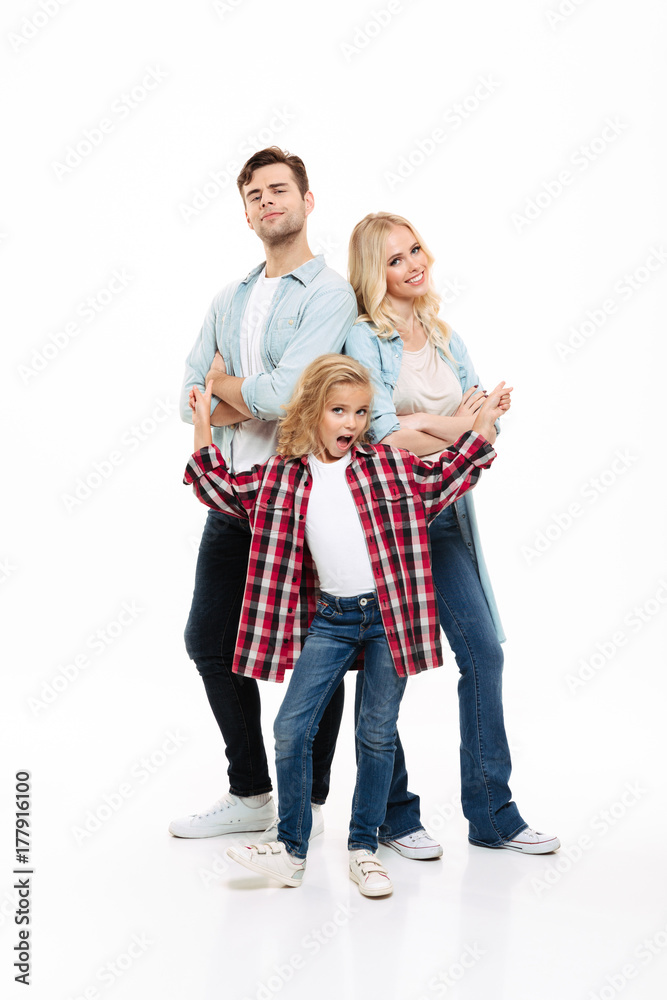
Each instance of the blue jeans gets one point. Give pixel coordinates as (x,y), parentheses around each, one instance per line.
(210,639)
(485,757)
(341,627)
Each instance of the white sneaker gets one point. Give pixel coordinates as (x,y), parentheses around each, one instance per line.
(228,815)
(370,874)
(271,832)
(418,846)
(272,859)
(529,841)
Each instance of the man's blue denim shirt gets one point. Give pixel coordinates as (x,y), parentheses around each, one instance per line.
(311,314)
(383,356)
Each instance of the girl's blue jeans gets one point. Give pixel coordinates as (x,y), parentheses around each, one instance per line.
(341,628)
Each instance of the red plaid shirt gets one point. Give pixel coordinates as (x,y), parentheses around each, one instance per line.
(396,495)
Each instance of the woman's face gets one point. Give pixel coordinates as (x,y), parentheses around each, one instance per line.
(407,266)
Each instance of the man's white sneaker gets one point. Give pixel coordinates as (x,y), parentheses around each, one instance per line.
(228,815)
(529,841)
(418,846)
(370,874)
(272,859)
(271,833)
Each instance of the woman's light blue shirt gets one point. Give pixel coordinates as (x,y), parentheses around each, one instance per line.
(383,357)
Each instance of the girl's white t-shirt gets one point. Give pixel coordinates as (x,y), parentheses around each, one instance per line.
(334,533)
(254,441)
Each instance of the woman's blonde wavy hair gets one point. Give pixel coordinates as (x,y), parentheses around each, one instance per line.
(367,270)
(298,429)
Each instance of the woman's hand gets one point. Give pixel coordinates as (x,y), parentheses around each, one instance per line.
(470,404)
(496,403)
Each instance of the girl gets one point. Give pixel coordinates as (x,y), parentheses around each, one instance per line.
(427,394)
(362,513)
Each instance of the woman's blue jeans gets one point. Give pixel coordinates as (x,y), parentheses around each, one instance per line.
(485,757)
(341,628)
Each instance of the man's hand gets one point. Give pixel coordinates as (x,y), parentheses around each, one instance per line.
(218,367)
(225,413)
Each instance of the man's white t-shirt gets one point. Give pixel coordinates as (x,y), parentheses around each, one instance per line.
(254,441)
(334,534)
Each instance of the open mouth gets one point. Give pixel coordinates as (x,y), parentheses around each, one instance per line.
(344,441)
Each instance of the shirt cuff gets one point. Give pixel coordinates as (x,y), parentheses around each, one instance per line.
(476,449)
(201,462)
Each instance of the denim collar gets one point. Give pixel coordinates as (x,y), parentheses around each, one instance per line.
(304,273)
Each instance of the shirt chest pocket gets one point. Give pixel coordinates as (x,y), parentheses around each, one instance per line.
(282,331)
(393,499)
(276,498)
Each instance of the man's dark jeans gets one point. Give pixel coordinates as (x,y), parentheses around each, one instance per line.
(210,637)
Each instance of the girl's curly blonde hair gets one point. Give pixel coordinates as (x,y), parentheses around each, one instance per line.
(298,429)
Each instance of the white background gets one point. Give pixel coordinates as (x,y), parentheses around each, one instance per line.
(357,100)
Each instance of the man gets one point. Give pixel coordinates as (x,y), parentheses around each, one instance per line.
(258,335)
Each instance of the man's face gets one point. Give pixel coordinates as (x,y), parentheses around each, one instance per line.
(274,207)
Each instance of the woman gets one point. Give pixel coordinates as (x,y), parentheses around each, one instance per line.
(427,395)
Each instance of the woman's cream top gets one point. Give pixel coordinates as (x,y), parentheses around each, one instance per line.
(426,384)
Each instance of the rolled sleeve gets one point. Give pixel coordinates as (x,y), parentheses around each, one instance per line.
(455,472)
(364,345)
(215,486)
(201,356)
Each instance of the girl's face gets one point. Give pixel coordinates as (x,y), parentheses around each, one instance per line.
(343,421)
(407,266)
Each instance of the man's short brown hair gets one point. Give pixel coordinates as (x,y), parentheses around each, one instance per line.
(266,158)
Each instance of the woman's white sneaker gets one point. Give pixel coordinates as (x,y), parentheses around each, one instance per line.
(229,814)
(370,874)
(272,859)
(417,846)
(529,841)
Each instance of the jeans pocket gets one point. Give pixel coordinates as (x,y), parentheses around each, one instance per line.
(325,610)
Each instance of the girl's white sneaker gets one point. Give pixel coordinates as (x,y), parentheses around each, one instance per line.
(370,874)
(272,859)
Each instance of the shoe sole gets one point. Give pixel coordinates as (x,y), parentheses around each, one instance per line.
(252,866)
(195,834)
(548,847)
(379,891)
(413,854)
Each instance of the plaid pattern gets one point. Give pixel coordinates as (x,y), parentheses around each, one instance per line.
(396,495)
